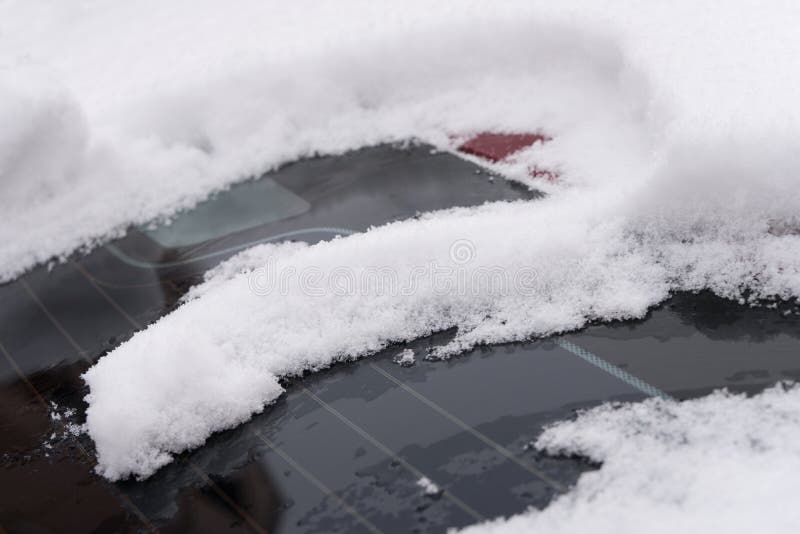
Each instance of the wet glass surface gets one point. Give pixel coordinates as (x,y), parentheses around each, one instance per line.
(343,450)
(248,205)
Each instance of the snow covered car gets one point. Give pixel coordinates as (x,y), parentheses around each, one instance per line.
(402,441)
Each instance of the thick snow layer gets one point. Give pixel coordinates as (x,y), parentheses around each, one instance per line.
(277,310)
(723,463)
(675,131)
(115,113)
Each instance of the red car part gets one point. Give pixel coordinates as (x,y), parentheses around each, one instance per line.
(497,147)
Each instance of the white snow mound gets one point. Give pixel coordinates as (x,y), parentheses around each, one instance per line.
(723,463)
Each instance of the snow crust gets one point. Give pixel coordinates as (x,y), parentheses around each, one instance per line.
(674,126)
(723,463)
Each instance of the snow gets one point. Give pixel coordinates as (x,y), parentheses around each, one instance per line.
(406,358)
(723,463)
(674,132)
(147,109)
(428,487)
(276,310)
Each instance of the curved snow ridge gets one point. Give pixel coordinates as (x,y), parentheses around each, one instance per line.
(719,464)
(279,310)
